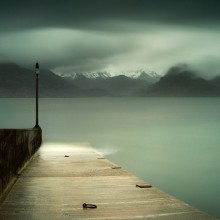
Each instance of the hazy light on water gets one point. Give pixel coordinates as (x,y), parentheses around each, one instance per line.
(64,146)
(107,149)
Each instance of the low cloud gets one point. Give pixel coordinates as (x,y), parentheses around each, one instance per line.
(122,46)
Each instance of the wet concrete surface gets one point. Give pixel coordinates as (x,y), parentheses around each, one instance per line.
(61,177)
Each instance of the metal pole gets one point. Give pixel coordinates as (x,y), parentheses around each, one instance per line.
(37,73)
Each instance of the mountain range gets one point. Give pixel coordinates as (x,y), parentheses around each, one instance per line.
(180,81)
(105,84)
(142,74)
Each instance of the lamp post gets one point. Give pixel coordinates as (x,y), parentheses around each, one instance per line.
(37,71)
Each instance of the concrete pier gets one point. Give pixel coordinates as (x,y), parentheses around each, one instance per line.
(61,177)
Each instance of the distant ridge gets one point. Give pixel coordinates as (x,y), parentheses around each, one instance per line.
(16,81)
(180,81)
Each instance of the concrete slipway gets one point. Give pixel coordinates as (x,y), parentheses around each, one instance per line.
(61,177)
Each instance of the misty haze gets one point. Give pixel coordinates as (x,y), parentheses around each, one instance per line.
(138,79)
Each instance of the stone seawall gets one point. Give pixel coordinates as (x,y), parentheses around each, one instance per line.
(16,148)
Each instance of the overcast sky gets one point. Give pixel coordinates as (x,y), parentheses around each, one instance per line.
(112,35)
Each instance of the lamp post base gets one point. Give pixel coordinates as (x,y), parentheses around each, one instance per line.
(36,126)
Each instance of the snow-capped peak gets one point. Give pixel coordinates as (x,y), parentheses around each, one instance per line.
(141,74)
(89,75)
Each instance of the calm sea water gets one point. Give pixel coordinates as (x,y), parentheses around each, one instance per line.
(173,143)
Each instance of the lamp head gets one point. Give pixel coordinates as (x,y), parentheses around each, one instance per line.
(37,70)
